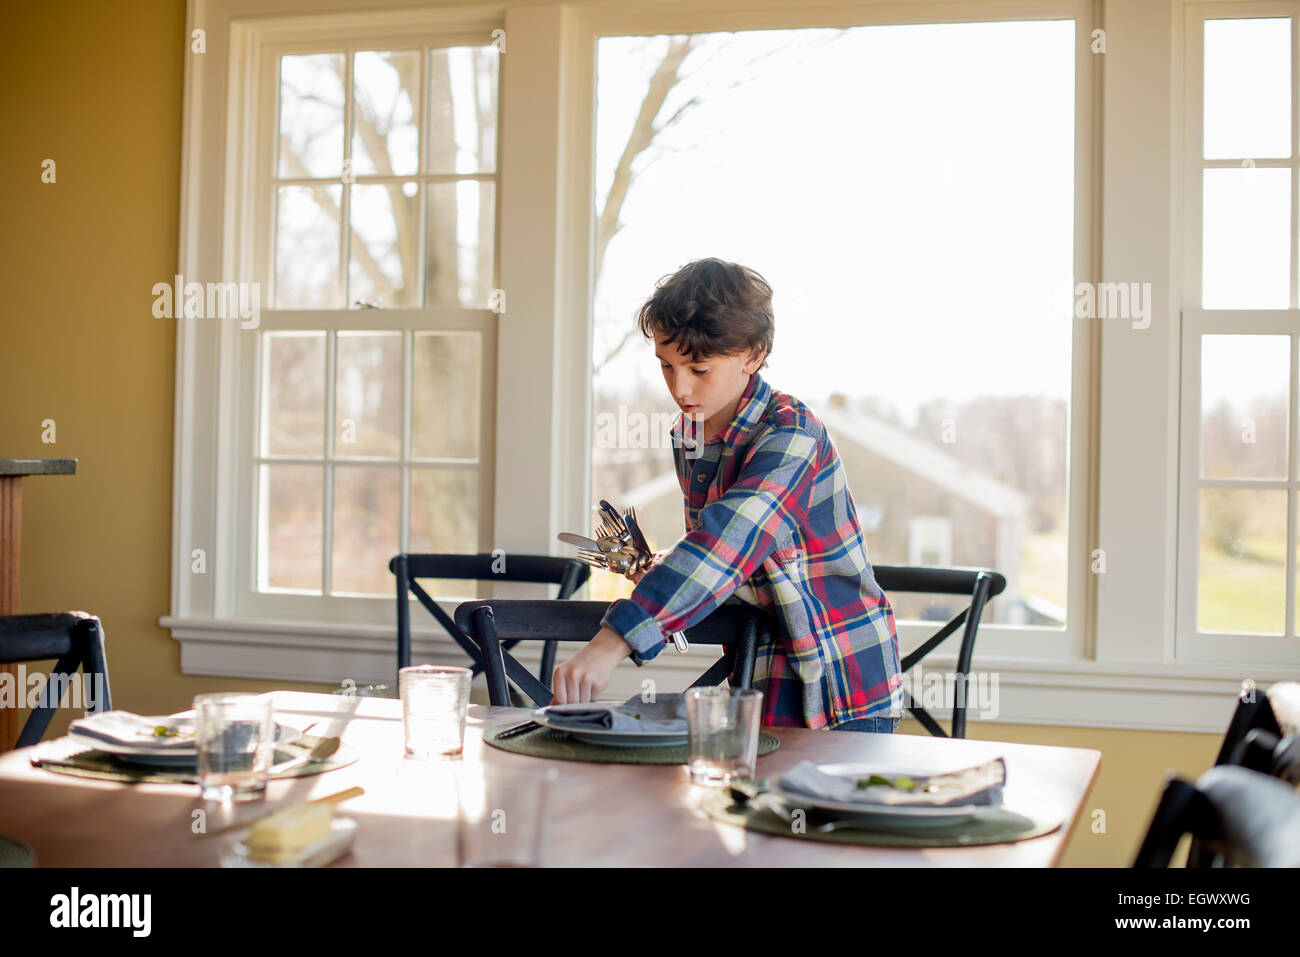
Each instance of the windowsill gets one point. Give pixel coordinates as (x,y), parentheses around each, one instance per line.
(1158,696)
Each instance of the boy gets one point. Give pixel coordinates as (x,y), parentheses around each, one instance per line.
(769,519)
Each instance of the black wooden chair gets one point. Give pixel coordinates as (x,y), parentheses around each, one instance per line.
(1255,740)
(977,584)
(75,640)
(569,573)
(494,625)
(1246,818)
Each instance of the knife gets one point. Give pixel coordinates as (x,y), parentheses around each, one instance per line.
(569,538)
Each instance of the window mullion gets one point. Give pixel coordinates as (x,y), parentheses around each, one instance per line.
(345,203)
(1294,262)
(408,373)
(327,533)
(1293,463)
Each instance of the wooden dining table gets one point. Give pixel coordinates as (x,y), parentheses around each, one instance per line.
(605,815)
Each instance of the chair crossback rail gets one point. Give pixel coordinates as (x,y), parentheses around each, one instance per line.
(493,625)
(568,573)
(980,585)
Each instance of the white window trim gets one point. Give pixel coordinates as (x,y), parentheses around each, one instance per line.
(1117,669)
(1191,644)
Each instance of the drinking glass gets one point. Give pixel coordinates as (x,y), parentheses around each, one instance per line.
(724,728)
(236,740)
(435,699)
(501,815)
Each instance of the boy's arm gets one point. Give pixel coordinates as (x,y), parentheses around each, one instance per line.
(737,533)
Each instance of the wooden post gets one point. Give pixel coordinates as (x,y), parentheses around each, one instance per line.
(11,537)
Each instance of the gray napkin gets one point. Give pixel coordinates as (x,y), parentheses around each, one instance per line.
(666,713)
(981,784)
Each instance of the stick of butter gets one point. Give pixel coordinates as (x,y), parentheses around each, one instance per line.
(282,834)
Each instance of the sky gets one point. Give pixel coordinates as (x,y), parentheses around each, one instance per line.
(904,190)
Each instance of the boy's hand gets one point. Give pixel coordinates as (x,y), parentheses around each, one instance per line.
(658,557)
(584,676)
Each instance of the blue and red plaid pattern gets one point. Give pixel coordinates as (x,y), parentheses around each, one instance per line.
(770,519)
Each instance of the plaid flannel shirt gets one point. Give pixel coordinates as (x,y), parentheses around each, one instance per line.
(770,520)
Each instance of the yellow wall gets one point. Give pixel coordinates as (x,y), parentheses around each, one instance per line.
(96,86)
(1134,765)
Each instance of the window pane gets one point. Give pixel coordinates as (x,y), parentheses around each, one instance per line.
(463,110)
(385,244)
(311,115)
(1247,239)
(445,400)
(307,247)
(949,403)
(386,134)
(462,219)
(444,518)
(368,395)
(293,393)
(1245,388)
(289,527)
(367,503)
(1242,571)
(1247,88)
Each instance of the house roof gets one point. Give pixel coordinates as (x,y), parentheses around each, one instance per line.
(925,460)
(889,442)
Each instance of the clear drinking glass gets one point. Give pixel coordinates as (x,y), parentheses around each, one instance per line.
(236,741)
(724,729)
(501,815)
(435,699)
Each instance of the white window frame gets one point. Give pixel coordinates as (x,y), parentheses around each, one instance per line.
(1115,667)
(1193,644)
(255,224)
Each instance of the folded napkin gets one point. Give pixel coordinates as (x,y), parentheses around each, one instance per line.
(133,730)
(981,784)
(667,713)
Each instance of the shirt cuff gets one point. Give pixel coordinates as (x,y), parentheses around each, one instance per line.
(638,628)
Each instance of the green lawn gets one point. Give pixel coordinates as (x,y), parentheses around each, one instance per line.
(1244,594)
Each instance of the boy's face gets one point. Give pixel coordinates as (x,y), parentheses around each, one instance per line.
(708,390)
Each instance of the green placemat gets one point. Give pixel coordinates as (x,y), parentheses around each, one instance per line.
(994,827)
(15,853)
(108,767)
(549,743)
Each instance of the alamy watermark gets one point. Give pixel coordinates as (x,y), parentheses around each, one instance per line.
(626,429)
(940,690)
(1102,300)
(213,300)
(18,689)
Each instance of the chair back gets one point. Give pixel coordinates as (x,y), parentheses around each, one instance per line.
(1247,818)
(1261,736)
(568,573)
(979,585)
(75,640)
(735,625)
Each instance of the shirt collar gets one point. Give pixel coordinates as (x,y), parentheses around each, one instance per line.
(753,404)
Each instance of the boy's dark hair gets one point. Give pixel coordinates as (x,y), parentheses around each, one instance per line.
(711,308)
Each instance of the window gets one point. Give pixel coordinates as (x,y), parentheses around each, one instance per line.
(1241,336)
(369,429)
(912,201)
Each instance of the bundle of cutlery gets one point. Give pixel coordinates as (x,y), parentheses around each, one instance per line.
(619,546)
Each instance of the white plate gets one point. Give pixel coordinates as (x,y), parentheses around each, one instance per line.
(880,814)
(342,832)
(617,739)
(178,756)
